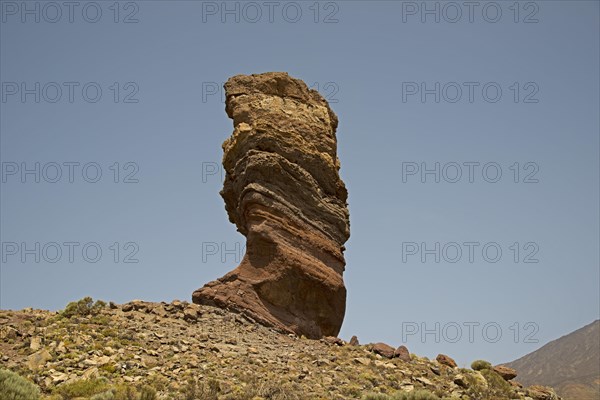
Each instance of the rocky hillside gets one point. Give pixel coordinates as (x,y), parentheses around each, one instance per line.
(177,350)
(571,364)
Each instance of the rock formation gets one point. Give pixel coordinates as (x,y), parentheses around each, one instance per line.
(283,192)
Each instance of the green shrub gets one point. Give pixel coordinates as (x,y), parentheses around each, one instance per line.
(376,396)
(83,307)
(193,390)
(126,392)
(82,388)
(108,395)
(479,365)
(414,395)
(15,387)
(496,383)
(147,393)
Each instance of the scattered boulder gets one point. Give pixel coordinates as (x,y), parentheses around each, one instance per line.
(8,332)
(354,341)
(127,307)
(402,353)
(424,381)
(36,343)
(334,340)
(383,350)
(58,377)
(446,360)
(505,372)
(190,314)
(283,191)
(38,359)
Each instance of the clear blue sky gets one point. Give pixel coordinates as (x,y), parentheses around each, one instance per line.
(374,60)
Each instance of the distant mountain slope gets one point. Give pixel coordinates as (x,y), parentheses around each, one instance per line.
(570,364)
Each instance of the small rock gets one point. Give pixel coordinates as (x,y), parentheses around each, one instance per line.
(384,364)
(61,348)
(354,341)
(362,360)
(177,304)
(383,350)
(446,360)
(424,381)
(59,377)
(460,380)
(190,314)
(127,307)
(97,361)
(90,373)
(36,343)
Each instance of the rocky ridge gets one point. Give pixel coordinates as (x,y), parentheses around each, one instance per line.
(187,351)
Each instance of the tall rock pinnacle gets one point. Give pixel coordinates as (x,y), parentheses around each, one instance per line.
(283,192)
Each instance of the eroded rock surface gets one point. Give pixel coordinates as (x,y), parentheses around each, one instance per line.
(283,192)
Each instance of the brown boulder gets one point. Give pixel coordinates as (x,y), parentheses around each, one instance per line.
(402,353)
(283,191)
(505,372)
(446,360)
(334,340)
(354,341)
(383,350)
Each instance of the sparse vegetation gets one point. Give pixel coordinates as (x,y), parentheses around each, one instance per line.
(413,395)
(496,384)
(82,388)
(83,307)
(479,365)
(153,351)
(15,387)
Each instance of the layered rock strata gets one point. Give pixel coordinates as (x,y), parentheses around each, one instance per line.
(283,192)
